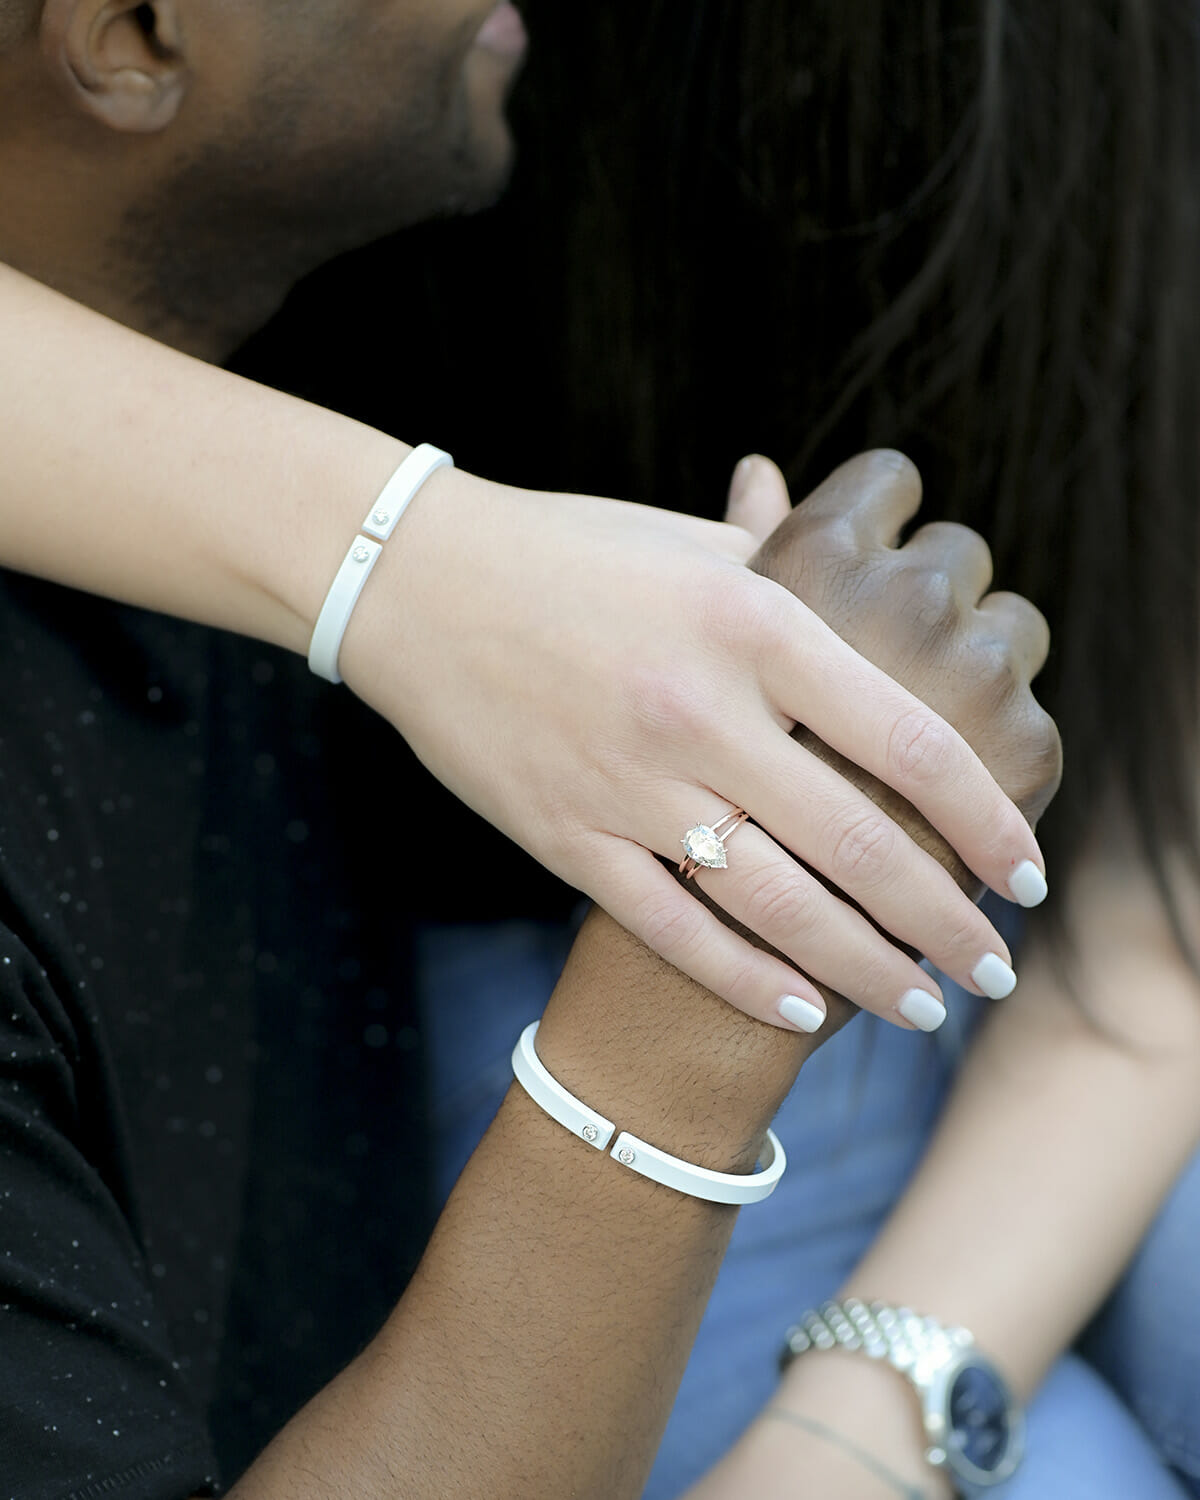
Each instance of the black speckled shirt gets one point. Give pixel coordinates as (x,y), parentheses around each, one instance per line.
(212,1161)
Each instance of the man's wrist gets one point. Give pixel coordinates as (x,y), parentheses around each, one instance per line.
(662,1055)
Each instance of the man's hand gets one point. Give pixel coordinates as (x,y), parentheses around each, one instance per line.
(920,613)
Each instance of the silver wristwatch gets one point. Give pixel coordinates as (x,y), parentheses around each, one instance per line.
(974,1428)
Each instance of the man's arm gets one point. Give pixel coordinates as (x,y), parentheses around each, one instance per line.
(538,1350)
(539,1347)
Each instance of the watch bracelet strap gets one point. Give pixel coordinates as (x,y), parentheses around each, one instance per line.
(919,1349)
(901,1337)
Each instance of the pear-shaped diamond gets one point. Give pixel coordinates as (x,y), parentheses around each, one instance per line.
(705,847)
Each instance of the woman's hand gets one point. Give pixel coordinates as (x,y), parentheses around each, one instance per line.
(595,678)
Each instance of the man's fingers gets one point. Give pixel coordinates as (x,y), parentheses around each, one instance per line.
(958,552)
(758,497)
(858,511)
(877,493)
(1020,623)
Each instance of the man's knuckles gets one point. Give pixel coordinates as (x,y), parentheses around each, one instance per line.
(915,612)
(1027,759)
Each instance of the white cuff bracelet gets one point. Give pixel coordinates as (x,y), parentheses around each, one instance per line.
(639,1155)
(364,553)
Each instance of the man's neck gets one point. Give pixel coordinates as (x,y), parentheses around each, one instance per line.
(137,267)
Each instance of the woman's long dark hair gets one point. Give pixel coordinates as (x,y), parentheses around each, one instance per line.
(966,228)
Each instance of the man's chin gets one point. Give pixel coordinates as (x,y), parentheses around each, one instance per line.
(483,182)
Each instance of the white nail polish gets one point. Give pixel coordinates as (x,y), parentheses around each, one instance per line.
(801,1013)
(994,977)
(1027,884)
(924,1010)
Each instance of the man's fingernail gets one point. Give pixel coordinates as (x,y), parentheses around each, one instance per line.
(994,977)
(1027,884)
(802,1014)
(924,1010)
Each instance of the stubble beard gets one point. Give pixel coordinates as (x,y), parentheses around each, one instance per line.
(209,255)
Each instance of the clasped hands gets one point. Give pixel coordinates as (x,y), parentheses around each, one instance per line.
(596,677)
(921,613)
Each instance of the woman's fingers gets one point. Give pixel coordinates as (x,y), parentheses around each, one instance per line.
(808,807)
(872,721)
(606,659)
(837,946)
(765,890)
(649,901)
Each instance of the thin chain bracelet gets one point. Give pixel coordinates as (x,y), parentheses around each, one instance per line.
(880,1470)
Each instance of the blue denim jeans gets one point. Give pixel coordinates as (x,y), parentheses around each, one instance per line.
(1117,1419)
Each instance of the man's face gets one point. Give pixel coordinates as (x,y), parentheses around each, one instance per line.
(395,107)
(356,117)
(313,126)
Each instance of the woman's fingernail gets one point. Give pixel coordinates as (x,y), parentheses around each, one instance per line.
(1027,884)
(802,1014)
(994,977)
(924,1010)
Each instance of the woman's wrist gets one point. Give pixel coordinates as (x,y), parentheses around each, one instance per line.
(433,573)
(844,1426)
(869,1405)
(184,488)
(320,473)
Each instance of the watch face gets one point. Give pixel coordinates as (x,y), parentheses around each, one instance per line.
(983,1431)
(979,1406)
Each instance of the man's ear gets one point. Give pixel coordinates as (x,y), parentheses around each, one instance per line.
(121,61)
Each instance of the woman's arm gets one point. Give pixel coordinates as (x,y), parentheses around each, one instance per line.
(1072,1117)
(139,473)
(593,677)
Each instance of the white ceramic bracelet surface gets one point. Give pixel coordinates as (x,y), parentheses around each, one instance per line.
(632,1152)
(394,500)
